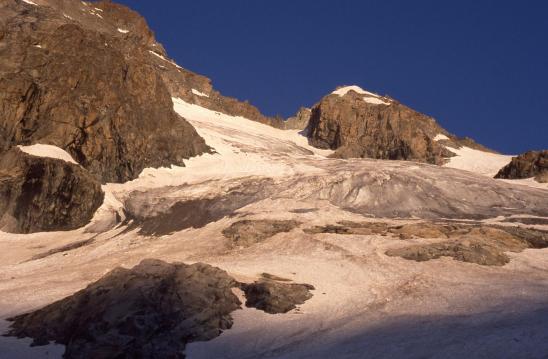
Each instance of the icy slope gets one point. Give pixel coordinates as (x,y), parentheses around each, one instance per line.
(366,304)
(487,164)
(249,152)
(481,162)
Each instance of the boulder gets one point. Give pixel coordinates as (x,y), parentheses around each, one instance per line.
(274,297)
(150,311)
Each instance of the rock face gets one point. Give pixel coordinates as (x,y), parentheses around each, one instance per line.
(83,77)
(45,194)
(273,297)
(182,82)
(150,311)
(527,165)
(197,89)
(357,123)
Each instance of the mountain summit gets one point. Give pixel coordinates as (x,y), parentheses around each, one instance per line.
(357,123)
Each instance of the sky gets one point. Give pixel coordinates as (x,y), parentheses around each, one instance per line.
(479,67)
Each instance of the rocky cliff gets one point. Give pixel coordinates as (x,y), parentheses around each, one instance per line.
(358,123)
(82,76)
(197,89)
(44,194)
(527,165)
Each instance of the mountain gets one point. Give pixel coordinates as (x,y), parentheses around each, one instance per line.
(357,123)
(143,213)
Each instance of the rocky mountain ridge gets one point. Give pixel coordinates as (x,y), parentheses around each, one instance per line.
(85,88)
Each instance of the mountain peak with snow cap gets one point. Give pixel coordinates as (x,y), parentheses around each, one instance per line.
(367,96)
(357,123)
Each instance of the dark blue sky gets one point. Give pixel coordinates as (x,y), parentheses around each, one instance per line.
(479,67)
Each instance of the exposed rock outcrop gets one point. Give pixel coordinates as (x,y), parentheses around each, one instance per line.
(248,232)
(484,245)
(300,120)
(470,251)
(473,243)
(82,76)
(358,123)
(527,165)
(274,297)
(150,311)
(347,227)
(181,84)
(45,194)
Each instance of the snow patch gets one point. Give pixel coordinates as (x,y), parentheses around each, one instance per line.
(96,8)
(68,17)
(440,137)
(30,2)
(344,90)
(480,162)
(163,58)
(38,46)
(92,12)
(375,101)
(49,151)
(198,93)
(369,97)
(123,31)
